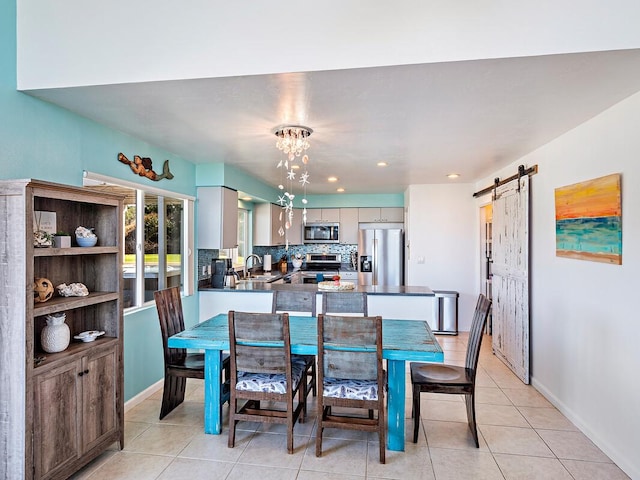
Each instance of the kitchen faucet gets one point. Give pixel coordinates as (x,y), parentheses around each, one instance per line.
(246,263)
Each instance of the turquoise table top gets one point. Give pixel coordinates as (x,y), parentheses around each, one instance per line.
(402,340)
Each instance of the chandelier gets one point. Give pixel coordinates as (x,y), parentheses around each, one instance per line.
(292,139)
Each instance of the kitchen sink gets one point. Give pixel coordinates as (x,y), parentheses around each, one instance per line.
(261,278)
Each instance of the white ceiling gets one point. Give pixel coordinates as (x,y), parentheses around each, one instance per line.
(427,120)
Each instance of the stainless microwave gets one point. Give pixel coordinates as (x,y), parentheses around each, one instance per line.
(321,233)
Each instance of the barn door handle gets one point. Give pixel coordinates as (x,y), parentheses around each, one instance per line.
(83,373)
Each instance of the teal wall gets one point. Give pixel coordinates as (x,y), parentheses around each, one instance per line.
(40,140)
(215,174)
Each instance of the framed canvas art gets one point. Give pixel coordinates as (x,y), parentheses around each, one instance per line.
(589,220)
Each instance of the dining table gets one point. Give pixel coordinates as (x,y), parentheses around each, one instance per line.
(402,340)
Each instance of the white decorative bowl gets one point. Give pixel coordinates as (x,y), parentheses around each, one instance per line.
(296,262)
(89,336)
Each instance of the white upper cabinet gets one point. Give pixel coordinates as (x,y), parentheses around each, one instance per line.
(385,214)
(349,225)
(295,231)
(217,218)
(323,215)
(267,222)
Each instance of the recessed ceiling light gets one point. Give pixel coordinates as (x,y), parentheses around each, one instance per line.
(295,167)
(340,190)
(382,164)
(246,199)
(332,179)
(453,175)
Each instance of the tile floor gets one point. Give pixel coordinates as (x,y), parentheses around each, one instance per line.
(522,436)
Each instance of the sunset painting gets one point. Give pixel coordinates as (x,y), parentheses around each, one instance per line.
(589,220)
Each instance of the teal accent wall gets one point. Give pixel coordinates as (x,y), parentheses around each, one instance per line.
(216,174)
(356,200)
(40,140)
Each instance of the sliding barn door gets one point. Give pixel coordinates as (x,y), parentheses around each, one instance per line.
(510,281)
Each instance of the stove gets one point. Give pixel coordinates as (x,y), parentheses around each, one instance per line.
(316,264)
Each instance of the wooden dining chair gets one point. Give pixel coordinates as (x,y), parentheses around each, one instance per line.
(453,379)
(263,370)
(345,302)
(178,364)
(350,375)
(296,301)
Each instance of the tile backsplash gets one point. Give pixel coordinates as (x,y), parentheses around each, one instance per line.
(278,251)
(206,256)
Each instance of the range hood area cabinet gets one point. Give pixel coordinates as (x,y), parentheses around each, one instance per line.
(217,218)
(316,215)
(267,223)
(384,214)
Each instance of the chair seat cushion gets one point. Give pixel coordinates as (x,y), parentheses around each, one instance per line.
(441,374)
(353,389)
(270,382)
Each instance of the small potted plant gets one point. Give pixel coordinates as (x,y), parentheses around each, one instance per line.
(61,240)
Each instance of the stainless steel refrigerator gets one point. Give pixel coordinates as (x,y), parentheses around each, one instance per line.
(381,259)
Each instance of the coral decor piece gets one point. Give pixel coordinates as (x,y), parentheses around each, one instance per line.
(143,166)
(85,232)
(72,290)
(42,290)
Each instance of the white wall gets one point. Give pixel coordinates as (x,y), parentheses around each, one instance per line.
(442,230)
(143,40)
(585,326)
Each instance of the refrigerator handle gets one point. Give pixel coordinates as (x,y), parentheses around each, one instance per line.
(375,261)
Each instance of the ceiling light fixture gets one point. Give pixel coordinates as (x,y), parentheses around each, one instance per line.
(340,189)
(293,142)
(382,164)
(332,179)
(453,175)
(292,139)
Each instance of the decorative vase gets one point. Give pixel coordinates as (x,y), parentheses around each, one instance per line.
(55,335)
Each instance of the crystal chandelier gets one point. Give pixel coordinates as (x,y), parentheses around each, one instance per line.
(292,139)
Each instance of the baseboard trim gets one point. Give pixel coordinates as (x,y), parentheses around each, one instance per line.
(143,395)
(624,464)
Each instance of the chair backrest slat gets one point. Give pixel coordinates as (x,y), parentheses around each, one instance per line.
(294,301)
(350,347)
(345,302)
(169,306)
(475,334)
(259,342)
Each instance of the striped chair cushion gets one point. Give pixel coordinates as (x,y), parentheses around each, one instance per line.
(354,389)
(269,382)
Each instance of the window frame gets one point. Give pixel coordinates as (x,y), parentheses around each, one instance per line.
(188,233)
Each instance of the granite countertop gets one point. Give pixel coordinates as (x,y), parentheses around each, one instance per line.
(250,286)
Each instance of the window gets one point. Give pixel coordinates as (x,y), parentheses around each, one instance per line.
(156,254)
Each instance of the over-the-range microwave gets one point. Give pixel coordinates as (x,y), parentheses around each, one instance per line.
(321,233)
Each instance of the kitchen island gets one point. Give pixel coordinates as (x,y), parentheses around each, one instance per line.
(415,302)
